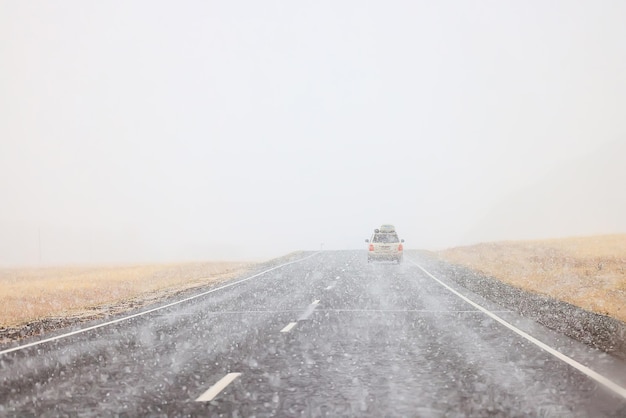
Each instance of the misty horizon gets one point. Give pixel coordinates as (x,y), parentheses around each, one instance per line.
(153,132)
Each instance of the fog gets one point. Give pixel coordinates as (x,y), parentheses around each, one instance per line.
(171,131)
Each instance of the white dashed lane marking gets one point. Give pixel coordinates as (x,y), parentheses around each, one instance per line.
(309,310)
(215,390)
(289,327)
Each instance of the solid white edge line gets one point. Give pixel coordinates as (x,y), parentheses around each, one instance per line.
(115,321)
(578,366)
(215,390)
(289,327)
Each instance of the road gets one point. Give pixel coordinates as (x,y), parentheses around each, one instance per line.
(325,335)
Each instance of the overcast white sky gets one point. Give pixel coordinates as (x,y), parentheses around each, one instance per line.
(161,131)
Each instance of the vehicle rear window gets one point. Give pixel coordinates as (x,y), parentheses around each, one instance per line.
(385,238)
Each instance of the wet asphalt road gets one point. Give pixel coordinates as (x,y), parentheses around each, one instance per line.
(357,340)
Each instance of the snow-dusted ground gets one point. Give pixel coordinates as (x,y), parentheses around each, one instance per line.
(328,335)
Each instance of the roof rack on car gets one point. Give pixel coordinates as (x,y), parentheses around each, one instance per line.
(387,228)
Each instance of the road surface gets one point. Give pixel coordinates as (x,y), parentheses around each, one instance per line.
(325,335)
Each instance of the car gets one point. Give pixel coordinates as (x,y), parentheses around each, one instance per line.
(384,245)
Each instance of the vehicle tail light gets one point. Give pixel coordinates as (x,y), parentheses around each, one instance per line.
(371,247)
(400,247)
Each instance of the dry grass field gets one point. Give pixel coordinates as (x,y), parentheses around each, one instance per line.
(588,272)
(34,294)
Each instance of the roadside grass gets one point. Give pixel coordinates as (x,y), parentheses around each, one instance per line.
(589,272)
(29,294)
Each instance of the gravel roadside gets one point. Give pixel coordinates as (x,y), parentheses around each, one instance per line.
(599,331)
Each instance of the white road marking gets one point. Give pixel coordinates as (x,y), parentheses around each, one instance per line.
(329,287)
(578,366)
(309,310)
(79,331)
(215,390)
(289,327)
